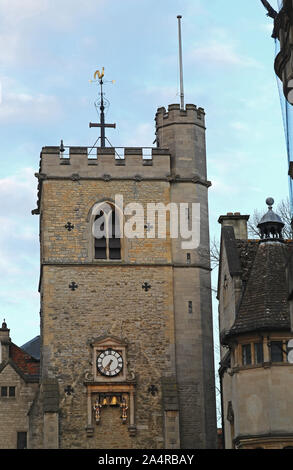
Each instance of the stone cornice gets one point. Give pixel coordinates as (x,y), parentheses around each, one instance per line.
(123,265)
(196,179)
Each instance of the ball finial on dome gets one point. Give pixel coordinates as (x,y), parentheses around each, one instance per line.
(270,202)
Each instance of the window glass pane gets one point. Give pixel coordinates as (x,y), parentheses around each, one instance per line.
(114,243)
(3,391)
(258,353)
(114,248)
(115,254)
(246,354)
(276,351)
(12,391)
(100,248)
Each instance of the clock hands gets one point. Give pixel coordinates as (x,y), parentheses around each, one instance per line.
(107,367)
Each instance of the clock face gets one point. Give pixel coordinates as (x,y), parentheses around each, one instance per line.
(109,362)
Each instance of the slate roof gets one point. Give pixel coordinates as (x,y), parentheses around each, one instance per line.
(33,347)
(264,304)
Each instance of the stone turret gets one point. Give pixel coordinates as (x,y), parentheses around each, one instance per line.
(183,133)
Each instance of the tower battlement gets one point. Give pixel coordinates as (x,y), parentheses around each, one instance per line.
(87,162)
(182,131)
(190,115)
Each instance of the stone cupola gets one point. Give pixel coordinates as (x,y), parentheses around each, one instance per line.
(271,225)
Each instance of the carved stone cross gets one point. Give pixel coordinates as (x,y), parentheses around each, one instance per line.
(146,286)
(69,226)
(73,286)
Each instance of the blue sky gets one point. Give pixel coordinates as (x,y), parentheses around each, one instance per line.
(50,49)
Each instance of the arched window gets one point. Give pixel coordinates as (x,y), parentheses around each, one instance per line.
(106,232)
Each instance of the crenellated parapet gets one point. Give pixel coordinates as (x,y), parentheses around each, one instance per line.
(87,162)
(190,115)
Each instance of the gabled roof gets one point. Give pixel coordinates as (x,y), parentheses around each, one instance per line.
(32,378)
(23,363)
(26,363)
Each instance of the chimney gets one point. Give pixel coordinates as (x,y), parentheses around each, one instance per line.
(4,342)
(237,221)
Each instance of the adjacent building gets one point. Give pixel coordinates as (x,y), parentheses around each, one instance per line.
(256,369)
(19,385)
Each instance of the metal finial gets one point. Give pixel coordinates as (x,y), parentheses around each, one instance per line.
(62,148)
(4,325)
(98,76)
(270,202)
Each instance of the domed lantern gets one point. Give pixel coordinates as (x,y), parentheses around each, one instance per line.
(271,225)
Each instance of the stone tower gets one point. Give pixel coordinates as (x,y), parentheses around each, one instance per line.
(126,323)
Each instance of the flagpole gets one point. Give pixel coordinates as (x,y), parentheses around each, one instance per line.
(180,63)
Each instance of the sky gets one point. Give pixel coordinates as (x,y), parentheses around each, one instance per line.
(49,50)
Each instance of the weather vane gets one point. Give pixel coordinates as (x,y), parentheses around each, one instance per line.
(98,77)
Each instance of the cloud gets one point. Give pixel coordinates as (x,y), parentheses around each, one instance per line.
(19,252)
(64,15)
(10,47)
(19,231)
(166,93)
(221,188)
(239,126)
(28,26)
(17,192)
(268,27)
(14,11)
(222,54)
(142,135)
(66,12)
(226,162)
(18,106)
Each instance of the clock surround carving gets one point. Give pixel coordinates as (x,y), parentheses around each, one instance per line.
(110,384)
